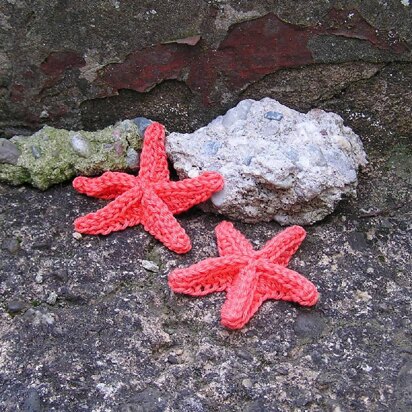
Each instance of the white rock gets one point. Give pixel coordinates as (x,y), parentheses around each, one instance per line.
(39,278)
(80,145)
(150,266)
(77,235)
(52,298)
(293,170)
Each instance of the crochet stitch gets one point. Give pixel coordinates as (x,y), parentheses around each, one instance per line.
(249,277)
(150,198)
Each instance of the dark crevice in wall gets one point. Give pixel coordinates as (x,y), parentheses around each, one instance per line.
(170,102)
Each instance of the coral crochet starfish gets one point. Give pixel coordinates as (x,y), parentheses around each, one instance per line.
(249,277)
(150,198)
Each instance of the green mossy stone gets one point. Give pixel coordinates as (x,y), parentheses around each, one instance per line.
(52,156)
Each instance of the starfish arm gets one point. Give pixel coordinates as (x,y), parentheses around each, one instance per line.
(230,241)
(242,301)
(159,221)
(281,248)
(208,276)
(107,186)
(153,159)
(117,215)
(281,283)
(184,194)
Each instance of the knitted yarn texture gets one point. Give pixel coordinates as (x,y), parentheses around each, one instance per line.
(150,199)
(249,277)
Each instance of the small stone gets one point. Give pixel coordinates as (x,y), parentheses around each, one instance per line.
(247,160)
(80,145)
(363,295)
(247,383)
(77,235)
(210,148)
(39,278)
(282,370)
(309,325)
(150,266)
(52,298)
(172,359)
(142,123)
(33,402)
(44,114)
(9,152)
(193,173)
(71,296)
(12,245)
(35,151)
(132,158)
(16,306)
(316,358)
(274,116)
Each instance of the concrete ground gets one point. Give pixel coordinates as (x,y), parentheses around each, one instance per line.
(84,327)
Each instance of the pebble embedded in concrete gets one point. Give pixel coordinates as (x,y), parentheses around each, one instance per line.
(132,158)
(9,152)
(150,266)
(77,235)
(80,145)
(142,123)
(309,325)
(35,152)
(274,115)
(52,298)
(16,306)
(39,278)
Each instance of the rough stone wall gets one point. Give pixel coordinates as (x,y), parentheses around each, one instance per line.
(86,64)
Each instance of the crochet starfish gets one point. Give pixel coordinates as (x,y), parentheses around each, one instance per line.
(249,277)
(149,198)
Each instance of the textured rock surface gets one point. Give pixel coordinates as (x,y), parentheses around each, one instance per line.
(117,340)
(53,156)
(278,164)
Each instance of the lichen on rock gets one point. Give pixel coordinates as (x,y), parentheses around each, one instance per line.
(52,156)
